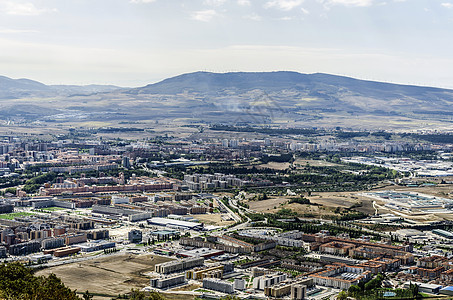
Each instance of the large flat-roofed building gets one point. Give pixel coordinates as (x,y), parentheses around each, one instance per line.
(25,248)
(298,291)
(443,233)
(218,285)
(3,252)
(166,282)
(96,246)
(179,265)
(63,251)
(336,248)
(371,252)
(284,288)
(201,252)
(341,276)
(262,282)
(448,290)
(175,223)
(164,234)
(52,242)
(424,287)
(75,238)
(198,274)
(6,207)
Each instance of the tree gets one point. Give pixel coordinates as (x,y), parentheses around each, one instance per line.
(87,296)
(342,295)
(415,290)
(354,290)
(18,282)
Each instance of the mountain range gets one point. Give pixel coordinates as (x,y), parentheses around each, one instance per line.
(282,98)
(20,88)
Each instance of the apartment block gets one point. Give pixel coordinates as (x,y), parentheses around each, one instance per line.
(162,283)
(179,265)
(260,283)
(218,285)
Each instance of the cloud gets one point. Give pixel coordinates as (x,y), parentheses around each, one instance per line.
(142,1)
(361,3)
(22,8)
(12,31)
(244,2)
(447,4)
(204,15)
(283,4)
(214,2)
(304,11)
(253,17)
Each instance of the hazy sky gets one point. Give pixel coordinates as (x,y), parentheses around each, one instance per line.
(136,42)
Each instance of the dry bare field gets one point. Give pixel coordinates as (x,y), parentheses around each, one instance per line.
(112,275)
(315,163)
(275,166)
(343,200)
(212,219)
(267,206)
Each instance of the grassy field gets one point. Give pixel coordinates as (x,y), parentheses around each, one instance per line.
(11,216)
(112,275)
(53,208)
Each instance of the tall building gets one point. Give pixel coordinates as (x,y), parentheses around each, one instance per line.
(126,162)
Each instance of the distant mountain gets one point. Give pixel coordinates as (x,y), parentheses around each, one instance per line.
(21,88)
(271,98)
(206,82)
(16,88)
(302,96)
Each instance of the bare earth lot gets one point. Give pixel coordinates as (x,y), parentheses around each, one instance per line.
(315,163)
(213,219)
(113,275)
(267,206)
(275,166)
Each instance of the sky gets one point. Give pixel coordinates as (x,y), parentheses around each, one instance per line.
(137,42)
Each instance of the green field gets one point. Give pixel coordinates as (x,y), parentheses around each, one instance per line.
(54,208)
(11,216)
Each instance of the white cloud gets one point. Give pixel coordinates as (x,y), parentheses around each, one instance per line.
(283,4)
(204,15)
(253,17)
(214,2)
(348,2)
(304,11)
(12,31)
(22,8)
(142,1)
(447,4)
(244,2)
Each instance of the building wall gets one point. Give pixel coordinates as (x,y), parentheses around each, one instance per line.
(218,285)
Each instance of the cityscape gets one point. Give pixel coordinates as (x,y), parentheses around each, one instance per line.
(245,217)
(226,150)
